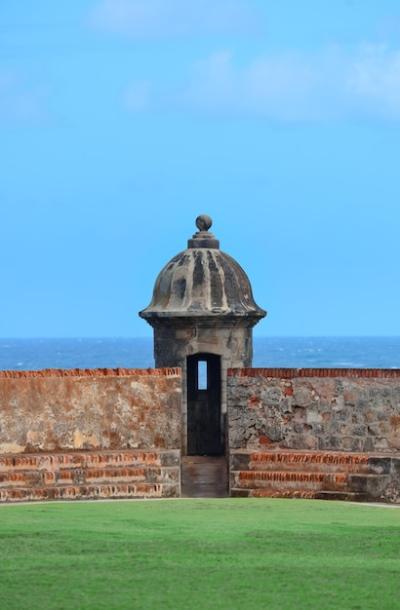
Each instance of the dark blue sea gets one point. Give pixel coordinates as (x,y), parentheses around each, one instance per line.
(32,354)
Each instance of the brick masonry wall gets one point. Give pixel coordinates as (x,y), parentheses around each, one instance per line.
(320,413)
(90,433)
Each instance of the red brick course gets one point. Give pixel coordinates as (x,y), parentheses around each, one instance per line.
(72,475)
(329,475)
(287,373)
(118,372)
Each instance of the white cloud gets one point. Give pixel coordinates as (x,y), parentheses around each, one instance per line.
(19,101)
(137,96)
(374,78)
(334,83)
(171,18)
(275,86)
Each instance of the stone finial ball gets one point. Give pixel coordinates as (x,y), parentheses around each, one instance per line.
(203,222)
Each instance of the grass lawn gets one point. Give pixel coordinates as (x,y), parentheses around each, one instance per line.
(228,553)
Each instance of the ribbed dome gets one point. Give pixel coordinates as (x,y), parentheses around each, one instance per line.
(202,281)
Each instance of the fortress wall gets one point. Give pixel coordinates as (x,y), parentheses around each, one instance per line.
(90,433)
(312,431)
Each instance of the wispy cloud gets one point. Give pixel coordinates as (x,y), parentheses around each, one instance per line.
(137,96)
(171,18)
(333,84)
(21,103)
(277,86)
(375,80)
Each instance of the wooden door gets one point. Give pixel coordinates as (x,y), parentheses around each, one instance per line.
(204,405)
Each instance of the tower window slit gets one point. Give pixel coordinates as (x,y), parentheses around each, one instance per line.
(202,381)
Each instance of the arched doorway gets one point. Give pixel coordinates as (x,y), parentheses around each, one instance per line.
(204,432)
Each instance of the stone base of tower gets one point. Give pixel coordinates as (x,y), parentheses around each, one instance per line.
(183,339)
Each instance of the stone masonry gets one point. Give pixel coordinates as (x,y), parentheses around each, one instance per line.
(90,433)
(103,433)
(312,431)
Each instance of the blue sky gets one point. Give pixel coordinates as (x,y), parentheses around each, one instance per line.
(122,120)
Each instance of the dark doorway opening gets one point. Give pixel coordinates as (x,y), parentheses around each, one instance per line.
(204,430)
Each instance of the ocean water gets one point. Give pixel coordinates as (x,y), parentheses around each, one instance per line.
(33,354)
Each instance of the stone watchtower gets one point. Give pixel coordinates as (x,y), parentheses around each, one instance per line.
(203,313)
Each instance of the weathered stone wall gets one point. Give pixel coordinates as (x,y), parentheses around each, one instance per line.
(314,414)
(324,409)
(90,433)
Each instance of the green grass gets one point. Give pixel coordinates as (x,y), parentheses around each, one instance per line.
(184,554)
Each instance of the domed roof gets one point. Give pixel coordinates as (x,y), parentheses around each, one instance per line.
(202,281)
